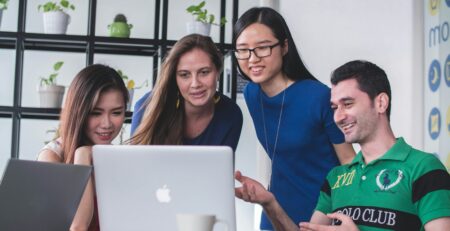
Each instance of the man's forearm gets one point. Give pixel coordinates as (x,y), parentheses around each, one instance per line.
(280,220)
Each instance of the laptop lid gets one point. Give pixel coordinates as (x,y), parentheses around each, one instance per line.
(40,195)
(144,187)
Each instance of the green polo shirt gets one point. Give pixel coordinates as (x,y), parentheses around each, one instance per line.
(402,190)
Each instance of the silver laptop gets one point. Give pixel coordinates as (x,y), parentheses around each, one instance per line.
(144,187)
(40,196)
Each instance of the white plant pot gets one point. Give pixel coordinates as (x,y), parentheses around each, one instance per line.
(196,27)
(51,96)
(130,98)
(55,22)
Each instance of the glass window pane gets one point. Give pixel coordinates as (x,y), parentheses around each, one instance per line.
(139,13)
(78,17)
(39,64)
(9,17)
(137,68)
(178,16)
(34,134)
(7,61)
(5,137)
(243,6)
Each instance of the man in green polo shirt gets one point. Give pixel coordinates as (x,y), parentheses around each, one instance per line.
(388,186)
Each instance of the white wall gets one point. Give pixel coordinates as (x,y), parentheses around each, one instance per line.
(388,33)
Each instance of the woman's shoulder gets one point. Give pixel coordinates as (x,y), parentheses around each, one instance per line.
(228,110)
(53,148)
(228,104)
(309,83)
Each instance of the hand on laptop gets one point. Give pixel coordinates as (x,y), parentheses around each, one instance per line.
(252,191)
(83,155)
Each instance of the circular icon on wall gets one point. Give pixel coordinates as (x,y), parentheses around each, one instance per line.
(434,123)
(433,7)
(434,75)
(448,2)
(447,70)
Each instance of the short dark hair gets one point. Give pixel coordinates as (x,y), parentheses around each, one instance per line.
(371,79)
(293,65)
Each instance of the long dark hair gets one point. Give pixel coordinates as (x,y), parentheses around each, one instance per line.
(293,65)
(163,122)
(82,96)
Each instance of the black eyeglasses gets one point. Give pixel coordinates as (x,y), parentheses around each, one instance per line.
(260,52)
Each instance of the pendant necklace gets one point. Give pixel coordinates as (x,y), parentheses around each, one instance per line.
(276,134)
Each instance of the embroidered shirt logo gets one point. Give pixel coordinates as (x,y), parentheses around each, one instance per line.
(344,179)
(387,179)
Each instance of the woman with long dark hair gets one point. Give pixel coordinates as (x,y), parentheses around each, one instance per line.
(184,106)
(93,113)
(290,110)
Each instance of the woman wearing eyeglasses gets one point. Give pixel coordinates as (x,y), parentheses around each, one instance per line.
(291,113)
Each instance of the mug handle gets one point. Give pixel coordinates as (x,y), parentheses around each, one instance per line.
(223,222)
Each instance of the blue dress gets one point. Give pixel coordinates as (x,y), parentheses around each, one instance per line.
(224,128)
(304,152)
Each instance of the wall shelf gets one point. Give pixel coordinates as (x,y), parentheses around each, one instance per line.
(21,41)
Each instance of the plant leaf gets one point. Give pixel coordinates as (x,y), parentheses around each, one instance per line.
(58,65)
(201,5)
(64,3)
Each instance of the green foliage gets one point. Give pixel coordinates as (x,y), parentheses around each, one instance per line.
(3,4)
(51,79)
(202,14)
(55,6)
(120,18)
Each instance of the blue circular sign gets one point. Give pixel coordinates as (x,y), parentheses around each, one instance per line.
(448,2)
(447,70)
(434,75)
(434,123)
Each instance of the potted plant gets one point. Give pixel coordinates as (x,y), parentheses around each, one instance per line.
(130,86)
(120,28)
(3,6)
(202,20)
(50,94)
(56,18)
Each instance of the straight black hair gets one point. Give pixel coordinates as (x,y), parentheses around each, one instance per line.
(293,65)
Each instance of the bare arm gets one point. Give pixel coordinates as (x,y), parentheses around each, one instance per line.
(345,152)
(439,224)
(47,155)
(252,191)
(83,217)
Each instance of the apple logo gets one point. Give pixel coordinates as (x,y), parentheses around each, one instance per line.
(163,194)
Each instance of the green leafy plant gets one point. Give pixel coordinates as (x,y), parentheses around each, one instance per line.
(3,4)
(120,18)
(62,5)
(202,15)
(51,79)
(129,82)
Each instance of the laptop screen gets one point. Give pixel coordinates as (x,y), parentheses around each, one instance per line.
(40,196)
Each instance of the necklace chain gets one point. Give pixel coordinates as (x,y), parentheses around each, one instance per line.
(276,134)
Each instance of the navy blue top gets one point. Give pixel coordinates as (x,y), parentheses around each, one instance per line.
(224,128)
(304,151)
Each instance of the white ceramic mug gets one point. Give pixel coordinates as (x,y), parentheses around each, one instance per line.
(197,222)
